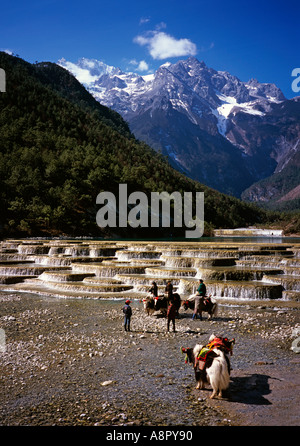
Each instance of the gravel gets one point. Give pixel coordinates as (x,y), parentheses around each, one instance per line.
(68,362)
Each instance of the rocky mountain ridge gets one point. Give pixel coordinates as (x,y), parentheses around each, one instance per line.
(59,148)
(212,126)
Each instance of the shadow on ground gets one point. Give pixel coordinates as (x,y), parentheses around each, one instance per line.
(250,389)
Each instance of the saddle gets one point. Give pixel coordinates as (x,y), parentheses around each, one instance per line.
(206,352)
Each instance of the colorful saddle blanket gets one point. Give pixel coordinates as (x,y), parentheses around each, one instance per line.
(217,342)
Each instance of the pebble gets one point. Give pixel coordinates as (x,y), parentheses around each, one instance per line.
(106,383)
(154,382)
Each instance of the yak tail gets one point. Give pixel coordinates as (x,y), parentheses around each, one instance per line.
(218,373)
(215,309)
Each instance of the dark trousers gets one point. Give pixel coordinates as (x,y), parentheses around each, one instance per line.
(127,323)
(173,322)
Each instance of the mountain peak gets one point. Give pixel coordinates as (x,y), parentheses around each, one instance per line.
(192,60)
(88,71)
(205,120)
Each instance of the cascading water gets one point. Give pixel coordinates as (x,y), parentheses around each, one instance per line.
(230,270)
(138,254)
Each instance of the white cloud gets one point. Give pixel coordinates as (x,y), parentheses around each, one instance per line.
(140,66)
(143,66)
(81,74)
(162,45)
(160,26)
(144,20)
(7,51)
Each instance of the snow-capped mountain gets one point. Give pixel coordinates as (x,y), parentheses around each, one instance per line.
(189,85)
(217,129)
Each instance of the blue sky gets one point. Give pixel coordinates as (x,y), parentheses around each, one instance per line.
(255,39)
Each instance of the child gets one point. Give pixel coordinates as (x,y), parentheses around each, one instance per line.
(127,312)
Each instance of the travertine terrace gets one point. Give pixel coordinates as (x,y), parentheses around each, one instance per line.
(116,269)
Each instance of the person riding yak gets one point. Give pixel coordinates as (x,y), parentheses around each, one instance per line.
(154,290)
(169,290)
(201,298)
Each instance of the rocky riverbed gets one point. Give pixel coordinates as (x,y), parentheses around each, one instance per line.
(68,362)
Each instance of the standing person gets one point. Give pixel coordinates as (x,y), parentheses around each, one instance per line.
(127,315)
(171,313)
(169,291)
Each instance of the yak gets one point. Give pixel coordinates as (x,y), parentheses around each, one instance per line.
(210,307)
(160,303)
(211,363)
(149,305)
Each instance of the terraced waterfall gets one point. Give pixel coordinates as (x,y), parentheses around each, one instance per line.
(107,269)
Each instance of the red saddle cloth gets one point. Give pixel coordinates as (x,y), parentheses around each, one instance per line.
(222,343)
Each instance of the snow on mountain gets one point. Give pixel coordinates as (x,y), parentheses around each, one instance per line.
(214,127)
(108,84)
(230,105)
(188,86)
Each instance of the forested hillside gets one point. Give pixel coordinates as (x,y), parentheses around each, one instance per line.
(59,148)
